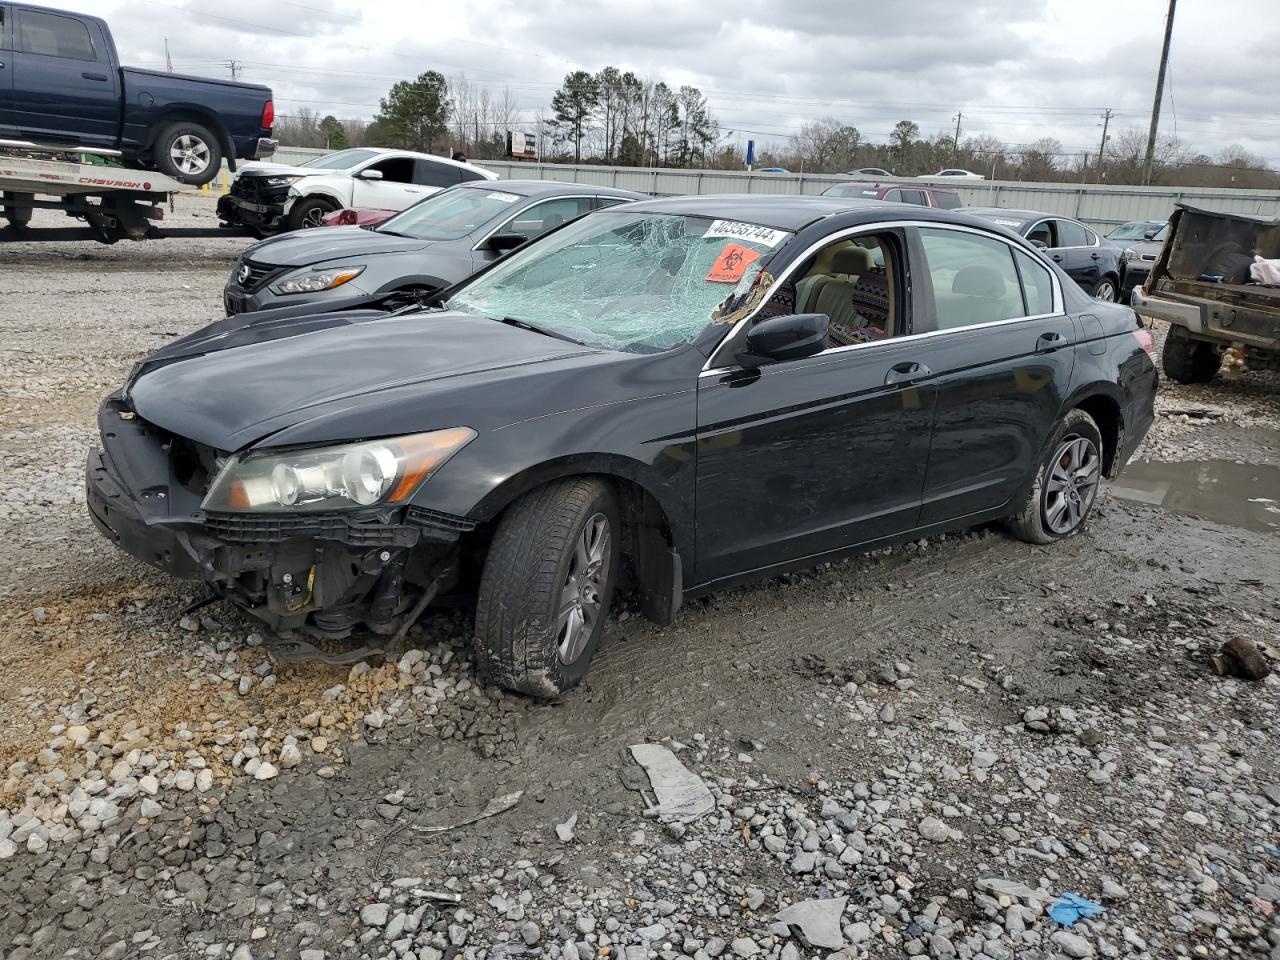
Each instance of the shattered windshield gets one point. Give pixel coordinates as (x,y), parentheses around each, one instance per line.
(450,214)
(626,280)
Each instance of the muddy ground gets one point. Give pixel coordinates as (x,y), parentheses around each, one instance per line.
(908,730)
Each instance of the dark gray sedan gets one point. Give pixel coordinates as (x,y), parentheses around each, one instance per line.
(433,244)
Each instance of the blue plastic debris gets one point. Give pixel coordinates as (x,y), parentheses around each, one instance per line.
(1071,907)
(1274,851)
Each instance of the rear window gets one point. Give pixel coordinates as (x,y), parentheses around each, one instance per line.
(54,36)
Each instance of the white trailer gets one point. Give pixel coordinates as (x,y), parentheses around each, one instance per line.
(115,203)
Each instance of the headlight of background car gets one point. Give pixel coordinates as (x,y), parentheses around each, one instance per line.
(1128,253)
(313,281)
(334,478)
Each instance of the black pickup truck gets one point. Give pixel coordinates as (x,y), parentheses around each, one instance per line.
(61,84)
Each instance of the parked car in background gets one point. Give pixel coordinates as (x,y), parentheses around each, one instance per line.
(1137,258)
(61,83)
(357,217)
(698,391)
(1127,233)
(1094,266)
(433,244)
(955,172)
(270,197)
(773,170)
(1203,284)
(896,193)
(869,172)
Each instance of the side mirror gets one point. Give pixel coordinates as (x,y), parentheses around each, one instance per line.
(1039,244)
(1149,234)
(791,337)
(370,174)
(502,242)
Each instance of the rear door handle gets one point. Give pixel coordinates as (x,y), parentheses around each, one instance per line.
(905,372)
(101,77)
(1050,341)
(1096,256)
(1057,258)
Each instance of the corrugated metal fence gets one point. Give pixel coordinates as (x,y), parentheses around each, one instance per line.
(1099,205)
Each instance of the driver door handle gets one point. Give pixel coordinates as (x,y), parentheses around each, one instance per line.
(1057,258)
(100,77)
(905,372)
(1050,341)
(1096,256)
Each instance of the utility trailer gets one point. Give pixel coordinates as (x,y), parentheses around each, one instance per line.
(115,203)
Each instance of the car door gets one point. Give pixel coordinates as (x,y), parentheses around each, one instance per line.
(999,350)
(395,190)
(65,89)
(1076,254)
(536,219)
(803,457)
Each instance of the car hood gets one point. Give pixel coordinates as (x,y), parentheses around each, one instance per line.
(1146,248)
(303,247)
(235,383)
(264,168)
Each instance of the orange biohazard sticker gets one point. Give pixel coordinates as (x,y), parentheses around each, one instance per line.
(731,264)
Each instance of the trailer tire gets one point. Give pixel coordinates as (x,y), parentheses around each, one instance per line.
(18,218)
(188,152)
(1187,360)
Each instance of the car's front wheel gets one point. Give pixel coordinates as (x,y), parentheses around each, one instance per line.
(547,585)
(1065,485)
(310,212)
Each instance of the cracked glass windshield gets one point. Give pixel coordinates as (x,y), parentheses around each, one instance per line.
(626,280)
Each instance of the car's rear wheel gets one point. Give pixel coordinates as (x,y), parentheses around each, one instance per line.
(188,152)
(1066,483)
(547,585)
(1106,290)
(1187,360)
(309,212)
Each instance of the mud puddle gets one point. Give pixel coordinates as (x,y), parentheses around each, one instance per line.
(1242,495)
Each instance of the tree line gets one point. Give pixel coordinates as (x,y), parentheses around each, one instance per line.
(615,117)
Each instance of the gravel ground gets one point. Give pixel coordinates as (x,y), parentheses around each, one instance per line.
(912,753)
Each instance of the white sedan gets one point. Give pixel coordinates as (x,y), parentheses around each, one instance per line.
(269,197)
(953,172)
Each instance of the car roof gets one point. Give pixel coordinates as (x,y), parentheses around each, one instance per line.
(435,158)
(552,188)
(780,211)
(1023,216)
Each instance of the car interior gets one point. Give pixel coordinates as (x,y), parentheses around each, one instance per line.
(852,282)
(394,169)
(1044,232)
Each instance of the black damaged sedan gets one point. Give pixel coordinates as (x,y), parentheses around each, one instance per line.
(667,397)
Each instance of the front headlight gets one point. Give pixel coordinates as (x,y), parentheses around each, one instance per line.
(313,281)
(334,478)
(282,181)
(1128,253)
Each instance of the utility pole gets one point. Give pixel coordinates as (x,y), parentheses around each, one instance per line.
(1106,121)
(1155,107)
(955,144)
(234,67)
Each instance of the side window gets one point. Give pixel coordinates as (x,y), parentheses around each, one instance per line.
(946,199)
(53,36)
(1043,232)
(893,196)
(1090,238)
(974,280)
(541,217)
(854,282)
(602,202)
(431,174)
(1037,285)
(1071,234)
(469,175)
(394,169)
(915,196)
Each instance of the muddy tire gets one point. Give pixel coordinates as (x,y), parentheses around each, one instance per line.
(547,586)
(188,152)
(1066,483)
(309,212)
(1187,360)
(18,218)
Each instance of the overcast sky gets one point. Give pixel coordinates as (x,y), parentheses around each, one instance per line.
(1017,69)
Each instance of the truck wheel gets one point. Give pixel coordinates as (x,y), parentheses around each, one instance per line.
(1187,360)
(18,217)
(187,152)
(309,212)
(546,587)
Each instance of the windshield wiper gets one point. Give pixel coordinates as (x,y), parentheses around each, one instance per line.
(533,328)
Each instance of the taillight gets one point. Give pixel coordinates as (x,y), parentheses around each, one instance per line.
(1145,340)
(269,115)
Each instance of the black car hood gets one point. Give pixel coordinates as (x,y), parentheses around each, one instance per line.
(303,247)
(229,386)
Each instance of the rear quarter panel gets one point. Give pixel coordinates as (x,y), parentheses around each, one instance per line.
(153,98)
(1112,363)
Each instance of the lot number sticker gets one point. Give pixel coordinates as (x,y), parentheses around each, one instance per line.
(766,236)
(504,197)
(731,264)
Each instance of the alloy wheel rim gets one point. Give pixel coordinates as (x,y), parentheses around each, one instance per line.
(313,218)
(582,596)
(1105,292)
(189,154)
(1072,484)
